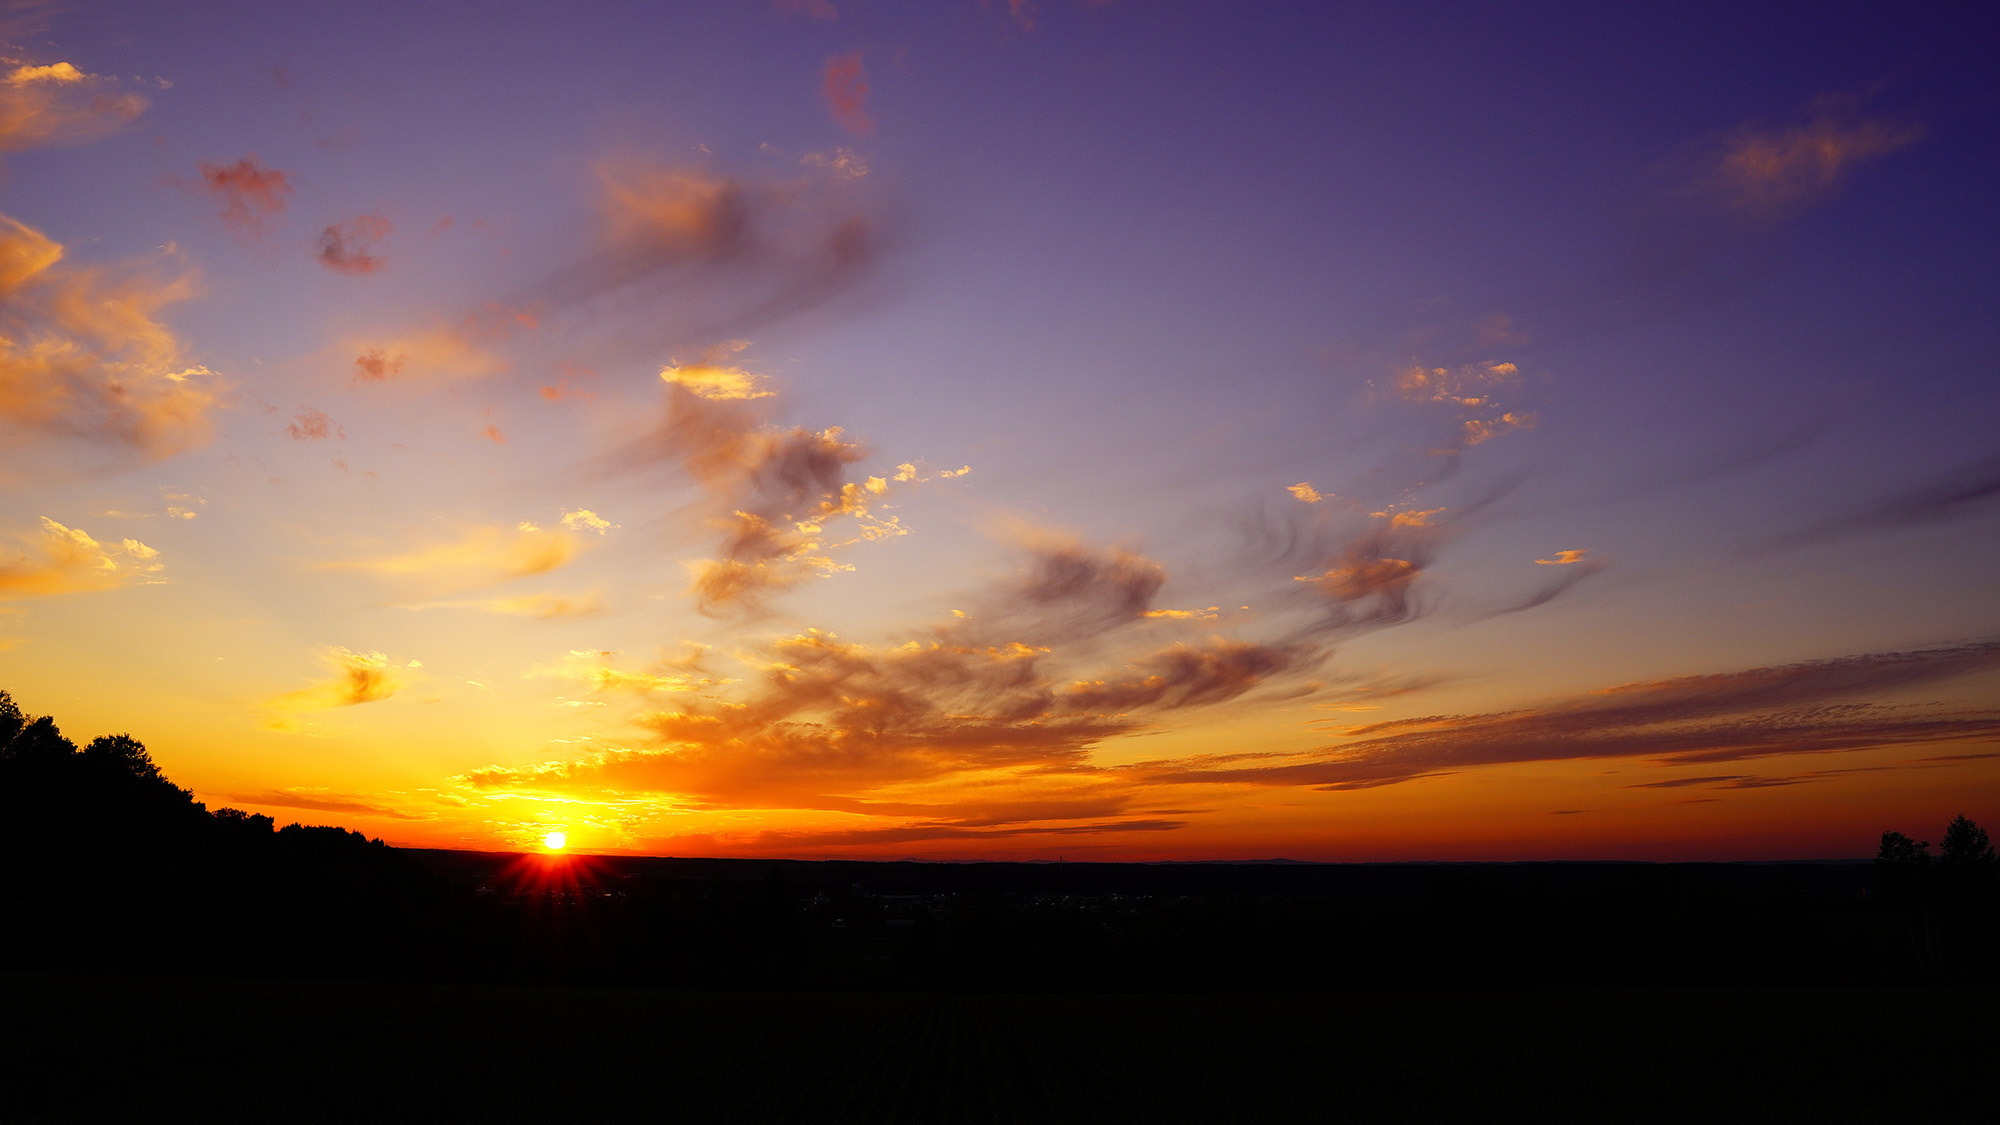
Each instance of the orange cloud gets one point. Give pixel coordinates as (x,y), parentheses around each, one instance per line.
(357,678)
(349,247)
(710,377)
(445,351)
(1564,558)
(1763,172)
(594,670)
(1002,708)
(548,607)
(66,560)
(1471,384)
(829,724)
(56,104)
(583,519)
(1209,614)
(250,193)
(477,556)
(561,388)
(81,355)
(779,493)
(1480,429)
(1472,391)
(545,607)
(1365,577)
(377,364)
(844,85)
(1425,517)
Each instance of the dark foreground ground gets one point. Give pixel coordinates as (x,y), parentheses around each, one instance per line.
(90,1048)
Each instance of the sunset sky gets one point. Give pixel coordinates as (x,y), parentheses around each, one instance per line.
(946,429)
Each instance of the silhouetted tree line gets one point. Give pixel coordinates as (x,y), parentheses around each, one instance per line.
(1946,903)
(114,868)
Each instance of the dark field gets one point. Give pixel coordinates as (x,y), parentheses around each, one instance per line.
(153,1048)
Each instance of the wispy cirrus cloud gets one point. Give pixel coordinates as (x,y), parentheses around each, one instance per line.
(597,670)
(461,349)
(1959,493)
(1575,565)
(319,800)
(1764,171)
(479,555)
(721,254)
(542,607)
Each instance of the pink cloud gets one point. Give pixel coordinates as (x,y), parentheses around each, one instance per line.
(250,193)
(348,247)
(314,425)
(844,85)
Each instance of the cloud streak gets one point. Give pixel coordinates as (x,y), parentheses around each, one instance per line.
(477,556)
(720,255)
(1960,493)
(1817,707)
(1766,172)
(318,801)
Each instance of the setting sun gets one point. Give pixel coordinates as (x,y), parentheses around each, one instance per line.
(554,841)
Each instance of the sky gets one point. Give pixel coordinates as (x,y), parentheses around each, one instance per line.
(1022,429)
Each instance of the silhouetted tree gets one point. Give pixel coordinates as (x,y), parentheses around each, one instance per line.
(39,743)
(1903,878)
(1901,851)
(125,752)
(237,824)
(11,721)
(1966,844)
